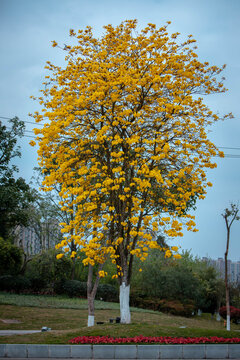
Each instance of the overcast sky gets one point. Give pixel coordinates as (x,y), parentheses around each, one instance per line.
(27,28)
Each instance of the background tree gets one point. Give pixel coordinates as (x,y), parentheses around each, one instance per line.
(229,215)
(126,134)
(15,194)
(8,145)
(188,280)
(11,258)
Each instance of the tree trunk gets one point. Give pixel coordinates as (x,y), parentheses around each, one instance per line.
(124,303)
(90,310)
(73,268)
(91,292)
(227,294)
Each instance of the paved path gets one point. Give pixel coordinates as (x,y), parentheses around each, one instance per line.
(17,332)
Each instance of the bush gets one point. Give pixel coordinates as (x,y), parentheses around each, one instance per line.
(14,283)
(107,292)
(21,283)
(75,288)
(58,287)
(11,258)
(176,308)
(37,282)
(173,307)
(6,282)
(234,313)
(44,270)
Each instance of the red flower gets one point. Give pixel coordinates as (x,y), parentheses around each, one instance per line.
(151,340)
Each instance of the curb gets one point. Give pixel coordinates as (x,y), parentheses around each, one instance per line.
(200,351)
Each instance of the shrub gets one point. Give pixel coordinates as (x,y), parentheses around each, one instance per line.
(21,283)
(107,292)
(234,313)
(58,287)
(14,283)
(37,282)
(175,307)
(6,282)
(75,288)
(11,258)
(44,270)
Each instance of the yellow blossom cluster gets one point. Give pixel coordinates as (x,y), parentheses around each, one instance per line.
(125,138)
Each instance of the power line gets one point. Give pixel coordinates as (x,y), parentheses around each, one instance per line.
(25,121)
(229,148)
(230,156)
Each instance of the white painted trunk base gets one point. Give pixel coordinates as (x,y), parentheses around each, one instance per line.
(124,304)
(228,322)
(90,320)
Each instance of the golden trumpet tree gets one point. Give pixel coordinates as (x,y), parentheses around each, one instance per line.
(125,135)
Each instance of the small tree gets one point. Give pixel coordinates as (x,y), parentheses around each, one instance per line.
(229,215)
(126,136)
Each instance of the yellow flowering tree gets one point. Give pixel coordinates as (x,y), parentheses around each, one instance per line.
(125,135)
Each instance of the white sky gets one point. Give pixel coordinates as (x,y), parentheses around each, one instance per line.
(27,28)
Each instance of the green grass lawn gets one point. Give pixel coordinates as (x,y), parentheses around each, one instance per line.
(68,318)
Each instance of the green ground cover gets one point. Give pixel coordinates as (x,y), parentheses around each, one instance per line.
(68,318)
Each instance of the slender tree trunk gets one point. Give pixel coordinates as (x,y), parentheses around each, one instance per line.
(91,292)
(73,268)
(229,216)
(227,293)
(226,281)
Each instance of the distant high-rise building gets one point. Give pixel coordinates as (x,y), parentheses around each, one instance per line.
(233,268)
(36,238)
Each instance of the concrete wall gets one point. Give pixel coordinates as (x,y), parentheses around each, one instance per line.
(201,351)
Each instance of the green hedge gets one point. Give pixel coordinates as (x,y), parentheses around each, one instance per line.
(173,307)
(75,288)
(107,292)
(14,283)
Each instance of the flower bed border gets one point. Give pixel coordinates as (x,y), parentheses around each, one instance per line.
(168,340)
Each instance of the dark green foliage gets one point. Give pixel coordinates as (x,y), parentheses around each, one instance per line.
(187,280)
(107,292)
(75,288)
(211,290)
(234,291)
(21,283)
(44,270)
(13,283)
(58,287)
(174,307)
(10,258)
(16,200)
(167,279)
(8,141)
(16,196)
(6,282)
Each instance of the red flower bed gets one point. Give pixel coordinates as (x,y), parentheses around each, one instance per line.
(152,340)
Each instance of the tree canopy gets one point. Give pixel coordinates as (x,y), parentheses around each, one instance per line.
(8,145)
(16,196)
(125,136)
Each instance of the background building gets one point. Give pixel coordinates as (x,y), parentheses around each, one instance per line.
(37,237)
(233,268)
